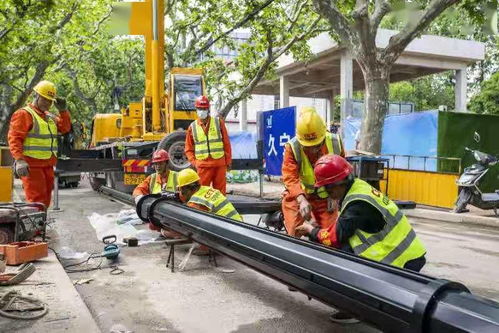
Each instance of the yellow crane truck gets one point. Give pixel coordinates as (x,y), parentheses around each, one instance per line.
(159,119)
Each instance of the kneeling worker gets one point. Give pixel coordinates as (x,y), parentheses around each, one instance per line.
(204,197)
(162,180)
(369,224)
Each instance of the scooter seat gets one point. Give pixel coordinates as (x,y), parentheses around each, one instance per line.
(487,197)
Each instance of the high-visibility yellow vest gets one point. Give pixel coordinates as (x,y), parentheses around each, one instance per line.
(307,177)
(216,202)
(41,141)
(208,145)
(396,243)
(171,184)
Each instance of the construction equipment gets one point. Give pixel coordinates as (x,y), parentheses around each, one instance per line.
(111,250)
(392,299)
(159,119)
(22,221)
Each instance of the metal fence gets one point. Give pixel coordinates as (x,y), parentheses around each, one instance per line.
(449,165)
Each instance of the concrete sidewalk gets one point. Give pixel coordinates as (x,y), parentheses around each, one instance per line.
(273,190)
(51,285)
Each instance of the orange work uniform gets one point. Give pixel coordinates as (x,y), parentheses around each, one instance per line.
(143,188)
(290,207)
(39,183)
(212,172)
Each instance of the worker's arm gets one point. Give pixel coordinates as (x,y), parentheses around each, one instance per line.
(226,141)
(20,124)
(356,215)
(291,173)
(63,122)
(142,188)
(189,147)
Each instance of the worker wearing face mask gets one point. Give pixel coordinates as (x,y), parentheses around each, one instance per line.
(207,147)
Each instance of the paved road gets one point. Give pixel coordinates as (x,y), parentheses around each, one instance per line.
(148,297)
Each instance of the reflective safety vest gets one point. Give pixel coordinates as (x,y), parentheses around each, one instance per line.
(171,184)
(41,141)
(211,145)
(307,177)
(216,202)
(396,243)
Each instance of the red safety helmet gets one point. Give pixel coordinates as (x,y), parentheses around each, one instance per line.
(331,169)
(160,156)
(202,102)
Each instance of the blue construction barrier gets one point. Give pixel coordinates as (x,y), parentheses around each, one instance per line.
(412,134)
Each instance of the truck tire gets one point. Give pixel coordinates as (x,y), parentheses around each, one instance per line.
(462,200)
(174,144)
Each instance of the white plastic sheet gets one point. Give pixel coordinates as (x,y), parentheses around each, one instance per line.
(108,224)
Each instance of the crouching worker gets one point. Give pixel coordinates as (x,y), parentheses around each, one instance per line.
(204,198)
(163,180)
(369,224)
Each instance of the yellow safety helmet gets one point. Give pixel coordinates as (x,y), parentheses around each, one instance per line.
(46,89)
(310,128)
(187,176)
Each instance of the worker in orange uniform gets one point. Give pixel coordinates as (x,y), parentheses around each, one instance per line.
(207,146)
(301,200)
(33,141)
(204,198)
(162,180)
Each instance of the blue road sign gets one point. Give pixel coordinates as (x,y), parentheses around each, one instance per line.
(278,128)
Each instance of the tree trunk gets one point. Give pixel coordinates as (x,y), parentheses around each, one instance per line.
(376,106)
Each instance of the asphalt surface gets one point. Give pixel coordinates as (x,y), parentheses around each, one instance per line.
(147,297)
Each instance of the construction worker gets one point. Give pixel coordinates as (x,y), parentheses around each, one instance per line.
(33,141)
(207,147)
(204,198)
(301,200)
(369,225)
(162,180)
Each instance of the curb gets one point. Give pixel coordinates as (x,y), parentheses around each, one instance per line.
(430,214)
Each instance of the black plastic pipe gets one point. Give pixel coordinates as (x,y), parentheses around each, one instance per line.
(389,298)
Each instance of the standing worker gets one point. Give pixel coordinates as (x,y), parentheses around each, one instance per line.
(33,142)
(370,225)
(207,147)
(301,200)
(162,180)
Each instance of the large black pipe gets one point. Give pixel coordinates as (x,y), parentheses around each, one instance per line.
(391,299)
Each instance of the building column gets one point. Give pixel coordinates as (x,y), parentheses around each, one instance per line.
(330,105)
(243,115)
(346,83)
(460,90)
(283,92)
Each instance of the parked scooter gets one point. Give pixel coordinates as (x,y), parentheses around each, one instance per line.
(469,181)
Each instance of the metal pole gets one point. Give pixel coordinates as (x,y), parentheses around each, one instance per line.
(392,299)
(261,184)
(56,192)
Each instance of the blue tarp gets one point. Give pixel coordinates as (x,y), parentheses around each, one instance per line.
(413,134)
(243,144)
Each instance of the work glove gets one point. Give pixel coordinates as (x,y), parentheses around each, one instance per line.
(305,207)
(172,196)
(137,198)
(304,230)
(21,168)
(60,104)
